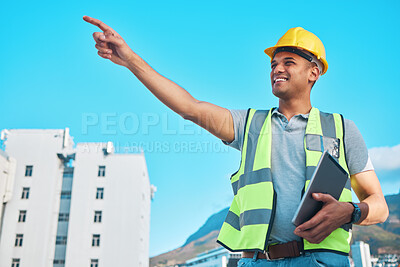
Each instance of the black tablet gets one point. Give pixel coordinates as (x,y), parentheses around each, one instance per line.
(329,178)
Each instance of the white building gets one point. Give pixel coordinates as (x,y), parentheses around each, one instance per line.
(7,174)
(219,257)
(74,206)
(361,254)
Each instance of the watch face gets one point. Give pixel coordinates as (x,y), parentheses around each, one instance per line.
(356,214)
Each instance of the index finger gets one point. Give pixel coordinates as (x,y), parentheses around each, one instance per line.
(104,27)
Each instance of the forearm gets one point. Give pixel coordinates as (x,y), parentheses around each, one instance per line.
(334,214)
(217,120)
(373,204)
(168,92)
(373,210)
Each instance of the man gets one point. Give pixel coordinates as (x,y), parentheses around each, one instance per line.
(280,149)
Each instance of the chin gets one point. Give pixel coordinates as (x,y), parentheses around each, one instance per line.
(278,93)
(284,95)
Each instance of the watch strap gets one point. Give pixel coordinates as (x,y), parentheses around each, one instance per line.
(356,215)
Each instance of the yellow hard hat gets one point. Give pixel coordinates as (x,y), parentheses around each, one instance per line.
(301,39)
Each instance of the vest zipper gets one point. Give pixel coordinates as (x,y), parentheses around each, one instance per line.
(271,221)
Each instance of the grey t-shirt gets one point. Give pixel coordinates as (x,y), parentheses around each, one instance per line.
(288,163)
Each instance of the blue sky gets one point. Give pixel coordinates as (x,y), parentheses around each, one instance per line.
(52,77)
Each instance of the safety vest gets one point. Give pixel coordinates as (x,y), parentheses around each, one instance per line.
(248,224)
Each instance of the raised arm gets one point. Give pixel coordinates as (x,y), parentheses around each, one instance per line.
(217,120)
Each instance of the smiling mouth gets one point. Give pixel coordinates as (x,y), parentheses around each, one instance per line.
(277,80)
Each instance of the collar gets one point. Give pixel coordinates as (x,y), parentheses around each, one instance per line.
(277,113)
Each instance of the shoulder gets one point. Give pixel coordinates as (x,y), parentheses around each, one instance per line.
(243,114)
(239,113)
(347,123)
(350,127)
(357,155)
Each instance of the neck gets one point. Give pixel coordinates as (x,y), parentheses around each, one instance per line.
(293,107)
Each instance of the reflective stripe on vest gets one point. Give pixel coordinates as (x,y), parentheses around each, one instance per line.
(252,210)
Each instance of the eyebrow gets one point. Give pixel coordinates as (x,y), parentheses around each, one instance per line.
(286,58)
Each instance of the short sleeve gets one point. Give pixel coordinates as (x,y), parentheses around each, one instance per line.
(356,150)
(239,120)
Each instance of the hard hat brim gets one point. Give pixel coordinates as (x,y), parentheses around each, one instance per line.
(271,50)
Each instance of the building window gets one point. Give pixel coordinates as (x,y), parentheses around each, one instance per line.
(94,263)
(63,217)
(28,170)
(15,262)
(99,193)
(96,241)
(18,240)
(68,173)
(102,171)
(97,216)
(58,261)
(66,195)
(61,240)
(22,216)
(25,193)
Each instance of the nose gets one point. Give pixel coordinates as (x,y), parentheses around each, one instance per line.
(278,68)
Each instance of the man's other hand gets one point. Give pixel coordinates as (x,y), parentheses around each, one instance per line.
(332,215)
(110,44)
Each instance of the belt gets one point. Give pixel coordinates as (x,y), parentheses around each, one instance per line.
(286,250)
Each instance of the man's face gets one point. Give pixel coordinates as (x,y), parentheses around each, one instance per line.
(290,75)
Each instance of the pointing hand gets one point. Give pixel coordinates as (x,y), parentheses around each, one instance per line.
(110,44)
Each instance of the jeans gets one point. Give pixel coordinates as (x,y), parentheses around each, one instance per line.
(316,259)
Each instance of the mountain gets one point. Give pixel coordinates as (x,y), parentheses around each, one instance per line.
(189,251)
(382,238)
(213,223)
(392,224)
(202,240)
(380,241)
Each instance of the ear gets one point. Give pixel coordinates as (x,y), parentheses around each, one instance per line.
(314,74)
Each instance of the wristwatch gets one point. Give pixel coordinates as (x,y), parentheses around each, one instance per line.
(356,215)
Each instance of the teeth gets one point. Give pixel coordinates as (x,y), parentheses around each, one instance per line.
(280,80)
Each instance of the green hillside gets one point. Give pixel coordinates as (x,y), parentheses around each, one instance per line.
(392,224)
(379,240)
